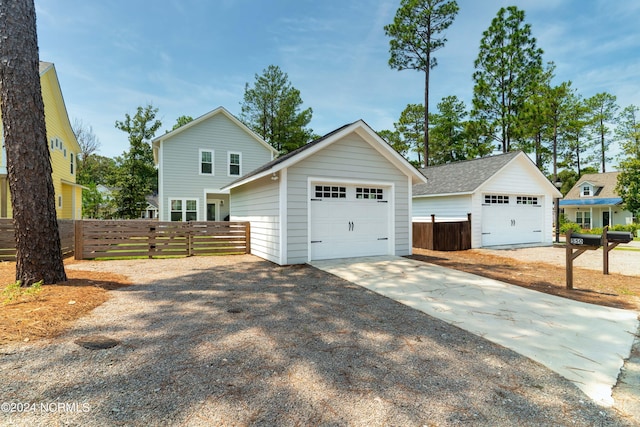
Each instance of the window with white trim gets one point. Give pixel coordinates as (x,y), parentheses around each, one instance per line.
(526,200)
(586,191)
(206,162)
(183,209)
(72,165)
(235,160)
(583,219)
(330,192)
(493,199)
(369,193)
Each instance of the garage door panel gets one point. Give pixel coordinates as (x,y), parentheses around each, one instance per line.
(348,226)
(512,220)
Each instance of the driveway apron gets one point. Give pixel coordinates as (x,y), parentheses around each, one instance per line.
(584,343)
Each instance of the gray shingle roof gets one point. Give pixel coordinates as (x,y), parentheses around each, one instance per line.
(461,177)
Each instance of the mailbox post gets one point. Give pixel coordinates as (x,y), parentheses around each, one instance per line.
(611,239)
(581,243)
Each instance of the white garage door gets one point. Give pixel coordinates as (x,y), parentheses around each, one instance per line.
(349,221)
(510,219)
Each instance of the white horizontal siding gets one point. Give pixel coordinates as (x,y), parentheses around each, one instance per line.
(352,159)
(445,206)
(258,203)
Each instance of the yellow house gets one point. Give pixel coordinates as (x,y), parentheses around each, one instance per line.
(63,150)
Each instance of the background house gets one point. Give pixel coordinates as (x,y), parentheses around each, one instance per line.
(510,200)
(63,149)
(346,194)
(196,160)
(151,210)
(593,202)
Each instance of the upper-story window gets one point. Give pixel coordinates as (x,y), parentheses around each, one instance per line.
(586,190)
(72,165)
(235,160)
(206,162)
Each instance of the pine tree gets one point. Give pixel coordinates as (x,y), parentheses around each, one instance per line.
(416,33)
(507,68)
(38,253)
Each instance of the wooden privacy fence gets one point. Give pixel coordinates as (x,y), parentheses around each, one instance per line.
(8,242)
(123,239)
(443,234)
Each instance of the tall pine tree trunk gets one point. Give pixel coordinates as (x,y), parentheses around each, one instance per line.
(28,163)
(426,112)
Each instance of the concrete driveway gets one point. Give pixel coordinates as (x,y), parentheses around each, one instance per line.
(584,343)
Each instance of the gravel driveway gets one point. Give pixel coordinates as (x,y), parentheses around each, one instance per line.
(239,341)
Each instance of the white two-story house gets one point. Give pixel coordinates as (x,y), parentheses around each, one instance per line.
(196,160)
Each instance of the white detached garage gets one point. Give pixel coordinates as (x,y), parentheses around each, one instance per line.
(510,200)
(346,194)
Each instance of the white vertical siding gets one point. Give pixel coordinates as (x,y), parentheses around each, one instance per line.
(258,203)
(352,159)
(180,166)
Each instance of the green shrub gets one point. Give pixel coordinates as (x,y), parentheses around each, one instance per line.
(633,228)
(597,230)
(575,228)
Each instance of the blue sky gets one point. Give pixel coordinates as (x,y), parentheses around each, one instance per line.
(187,57)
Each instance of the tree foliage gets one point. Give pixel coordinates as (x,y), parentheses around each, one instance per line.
(452,134)
(575,135)
(628,131)
(272,109)
(38,251)
(136,176)
(628,186)
(507,68)
(393,138)
(181,121)
(416,33)
(410,126)
(602,111)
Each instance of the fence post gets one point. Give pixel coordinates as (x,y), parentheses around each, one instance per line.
(247,237)
(78,240)
(151,240)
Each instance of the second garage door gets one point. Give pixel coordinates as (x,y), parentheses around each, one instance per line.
(349,221)
(511,219)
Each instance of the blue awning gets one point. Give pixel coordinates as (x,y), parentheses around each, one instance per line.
(592,202)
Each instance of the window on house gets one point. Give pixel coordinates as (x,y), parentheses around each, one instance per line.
(191,213)
(586,190)
(234,164)
(206,162)
(71,157)
(184,209)
(583,219)
(176,210)
(60,202)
